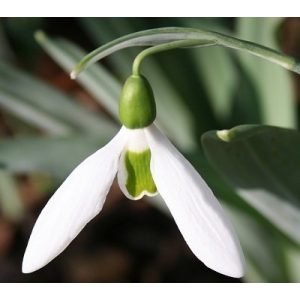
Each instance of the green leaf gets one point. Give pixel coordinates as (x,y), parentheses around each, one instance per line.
(97,81)
(262,246)
(262,164)
(218,73)
(44,106)
(18,107)
(219,76)
(54,155)
(273,84)
(246,108)
(165,35)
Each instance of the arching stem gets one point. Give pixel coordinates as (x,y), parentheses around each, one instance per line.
(164,47)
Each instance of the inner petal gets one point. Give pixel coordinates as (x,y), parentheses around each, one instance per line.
(134,175)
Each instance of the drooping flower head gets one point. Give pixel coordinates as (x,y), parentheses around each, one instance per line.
(145,163)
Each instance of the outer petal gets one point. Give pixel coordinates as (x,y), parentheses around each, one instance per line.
(79,199)
(196,211)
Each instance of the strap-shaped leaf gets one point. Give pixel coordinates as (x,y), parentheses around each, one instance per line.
(97,81)
(17,106)
(262,164)
(42,105)
(55,155)
(170,34)
(215,66)
(263,245)
(271,83)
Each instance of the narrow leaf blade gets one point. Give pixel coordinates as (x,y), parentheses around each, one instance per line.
(261,163)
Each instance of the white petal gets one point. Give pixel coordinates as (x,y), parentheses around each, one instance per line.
(79,199)
(136,140)
(198,214)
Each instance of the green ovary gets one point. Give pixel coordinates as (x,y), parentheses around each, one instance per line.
(139,178)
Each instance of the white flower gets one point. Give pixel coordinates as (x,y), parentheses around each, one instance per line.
(145,163)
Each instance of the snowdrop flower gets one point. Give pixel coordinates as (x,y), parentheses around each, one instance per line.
(145,163)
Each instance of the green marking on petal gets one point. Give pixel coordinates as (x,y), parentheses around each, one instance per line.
(139,179)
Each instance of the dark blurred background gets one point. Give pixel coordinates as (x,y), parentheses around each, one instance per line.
(41,140)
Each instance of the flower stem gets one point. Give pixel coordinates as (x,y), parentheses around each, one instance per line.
(164,47)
